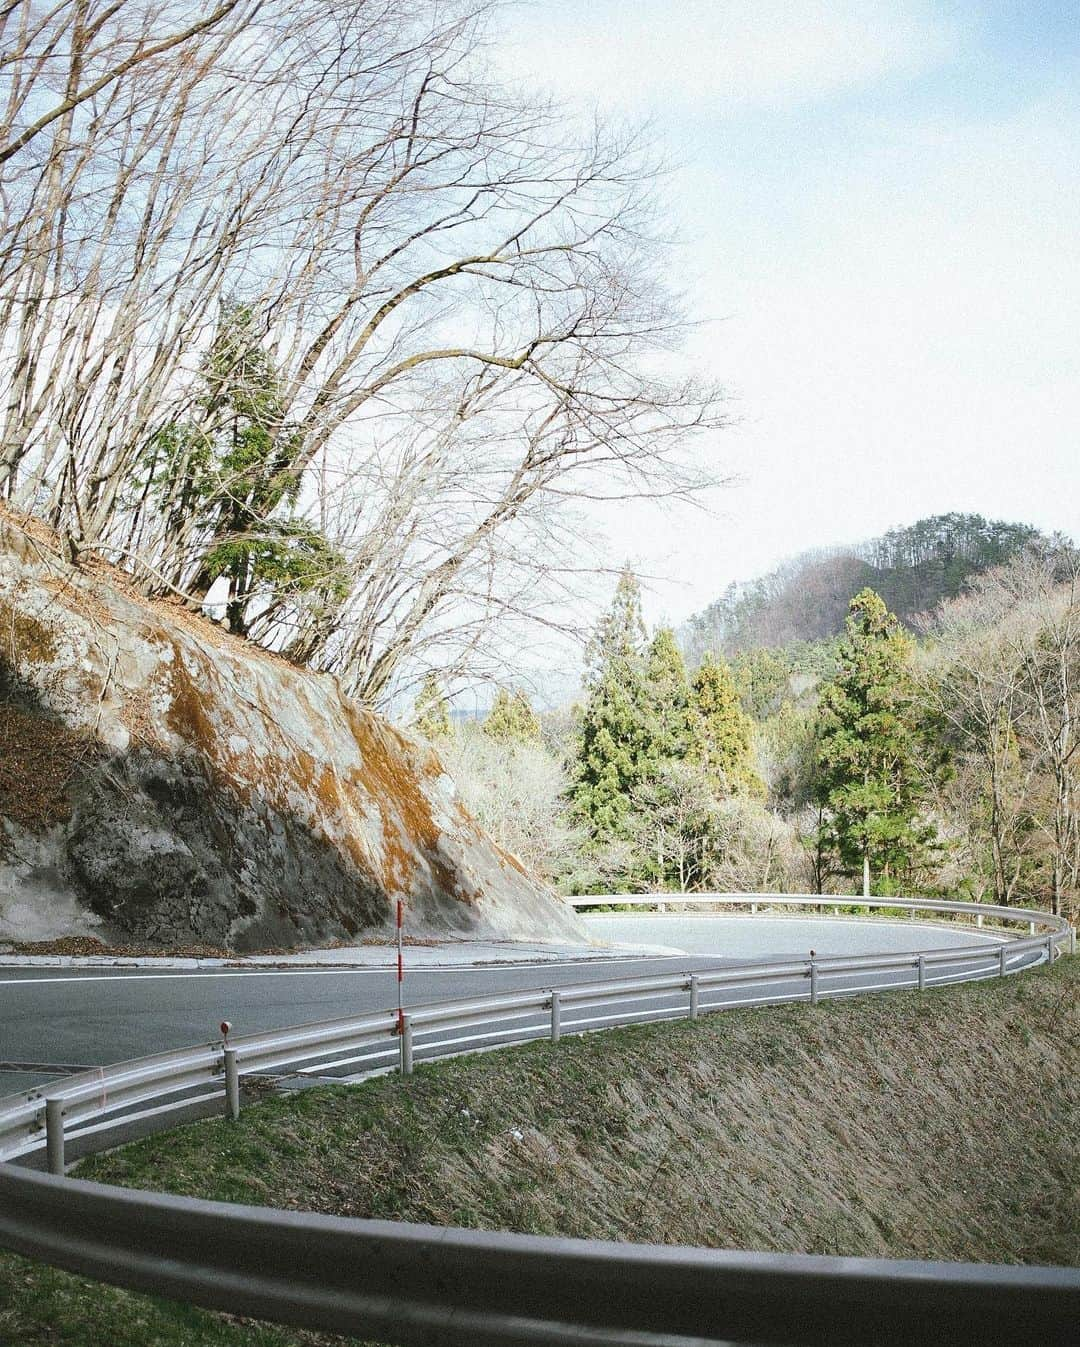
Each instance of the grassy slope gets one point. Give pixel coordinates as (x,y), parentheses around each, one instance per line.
(941,1126)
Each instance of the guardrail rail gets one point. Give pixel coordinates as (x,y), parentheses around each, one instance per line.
(307,1269)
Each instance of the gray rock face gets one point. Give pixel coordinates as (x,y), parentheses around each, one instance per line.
(161,781)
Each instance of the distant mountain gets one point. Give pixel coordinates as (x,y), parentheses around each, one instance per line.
(806,599)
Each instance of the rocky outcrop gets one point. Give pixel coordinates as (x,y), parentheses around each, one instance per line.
(161,781)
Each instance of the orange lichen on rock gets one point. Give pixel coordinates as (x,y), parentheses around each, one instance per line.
(174,784)
(410,831)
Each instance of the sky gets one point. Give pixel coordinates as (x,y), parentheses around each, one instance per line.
(878,211)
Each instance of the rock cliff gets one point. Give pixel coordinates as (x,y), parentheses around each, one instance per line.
(161,781)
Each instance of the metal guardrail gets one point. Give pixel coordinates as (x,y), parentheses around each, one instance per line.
(755,901)
(449,1287)
(47,1115)
(407,1284)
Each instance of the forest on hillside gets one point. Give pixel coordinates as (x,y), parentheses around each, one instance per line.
(806,599)
(939,759)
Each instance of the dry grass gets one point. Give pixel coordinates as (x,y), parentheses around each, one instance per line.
(935,1126)
(39,760)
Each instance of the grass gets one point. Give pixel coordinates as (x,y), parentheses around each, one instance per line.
(934,1126)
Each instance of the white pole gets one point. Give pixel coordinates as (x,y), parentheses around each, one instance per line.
(400,968)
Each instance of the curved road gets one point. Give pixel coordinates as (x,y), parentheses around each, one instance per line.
(66,1018)
(55,1020)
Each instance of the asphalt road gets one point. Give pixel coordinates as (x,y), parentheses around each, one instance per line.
(55,1020)
(66,1017)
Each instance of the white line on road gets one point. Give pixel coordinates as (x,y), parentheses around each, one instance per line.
(180,973)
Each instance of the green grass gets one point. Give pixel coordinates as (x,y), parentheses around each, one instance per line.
(889,1125)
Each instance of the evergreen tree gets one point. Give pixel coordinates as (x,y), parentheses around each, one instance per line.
(620,639)
(723,743)
(669,697)
(787,755)
(868,787)
(616,743)
(431,711)
(230,473)
(761,677)
(512,719)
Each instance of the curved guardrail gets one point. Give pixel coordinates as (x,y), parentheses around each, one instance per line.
(415,1285)
(169,1081)
(449,1287)
(1032,918)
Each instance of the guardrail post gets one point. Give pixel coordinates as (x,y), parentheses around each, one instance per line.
(922,973)
(232,1085)
(753,909)
(1001,961)
(693,997)
(978,919)
(406,1048)
(813,983)
(556,1017)
(54,1135)
(1031,928)
(1049,949)
(1072,939)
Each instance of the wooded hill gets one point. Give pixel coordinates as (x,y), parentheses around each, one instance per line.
(806,599)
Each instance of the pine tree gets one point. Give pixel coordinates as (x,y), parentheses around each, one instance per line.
(620,639)
(722,743)
(669,697)
(431,711)
(616,742)
(229,477)
(869,786)
(512,719)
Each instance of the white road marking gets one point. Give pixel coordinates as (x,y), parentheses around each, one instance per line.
(139,976)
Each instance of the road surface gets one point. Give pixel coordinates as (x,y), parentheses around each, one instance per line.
(56,1020)
(74,1018)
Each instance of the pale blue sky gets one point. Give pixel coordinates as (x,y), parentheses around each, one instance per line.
(880,208)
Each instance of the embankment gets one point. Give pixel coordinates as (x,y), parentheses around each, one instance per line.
(942,1125)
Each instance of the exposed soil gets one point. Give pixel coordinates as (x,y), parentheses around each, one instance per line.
(39,758)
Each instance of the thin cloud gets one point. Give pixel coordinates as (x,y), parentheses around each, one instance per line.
(748,52)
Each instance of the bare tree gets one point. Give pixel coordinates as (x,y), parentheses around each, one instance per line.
(1006,680)
(516,791)
(1051,670)
(450,319)
(974,684)
(85,47)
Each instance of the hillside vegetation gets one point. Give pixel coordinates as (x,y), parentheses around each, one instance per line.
(932,1126)
(944,760)
(913,569)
